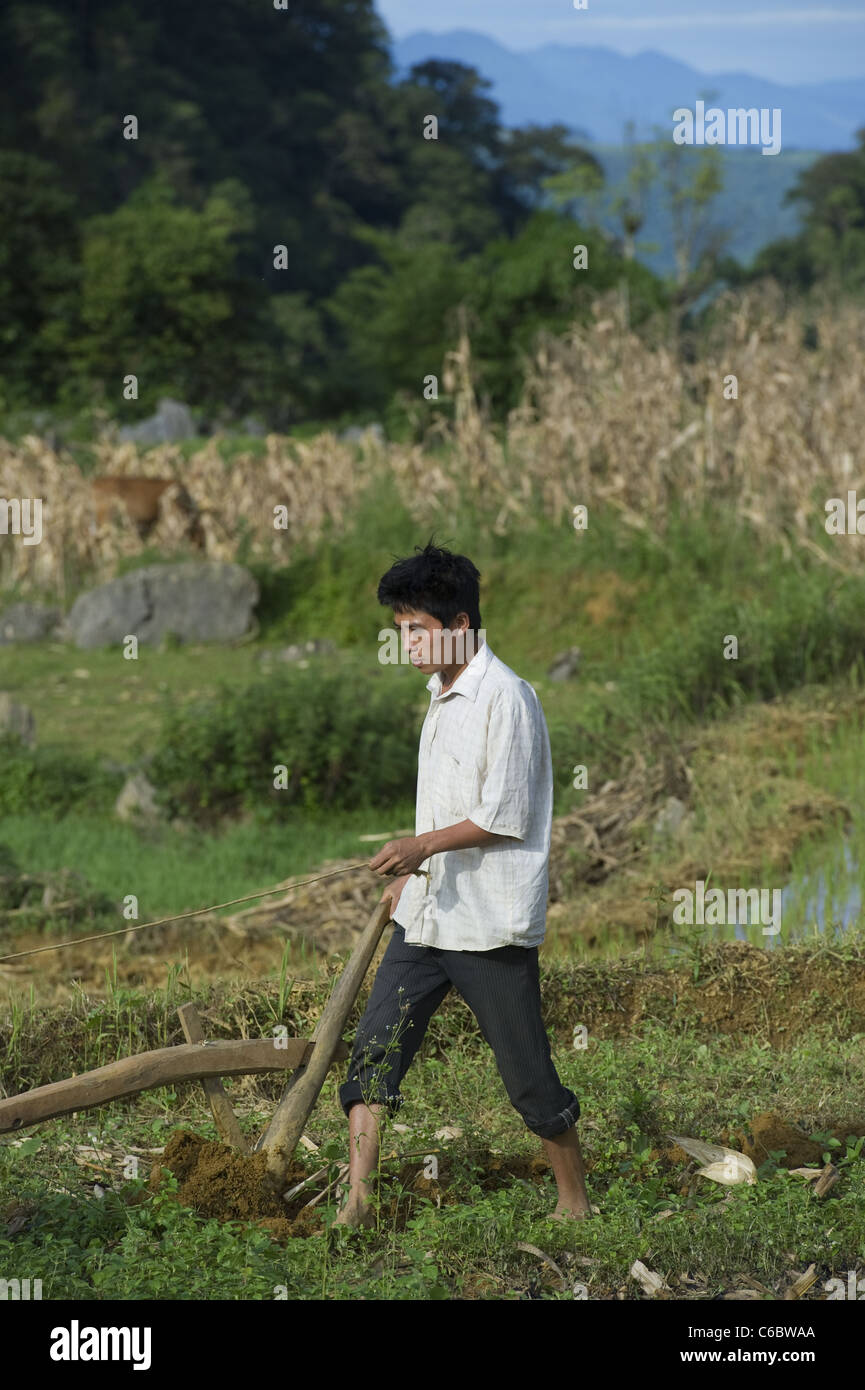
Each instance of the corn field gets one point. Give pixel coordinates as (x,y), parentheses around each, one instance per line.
(607,419)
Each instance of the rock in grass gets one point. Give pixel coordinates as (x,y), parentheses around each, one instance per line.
(17,720)
(27,622)
(566,665)
(672,819)
(172,420)
(355,433)
(198,601)
(137,800)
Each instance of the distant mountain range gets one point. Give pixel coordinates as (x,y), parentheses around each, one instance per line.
(594,91)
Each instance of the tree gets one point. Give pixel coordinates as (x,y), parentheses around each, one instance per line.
(38,275)
(267,128)
(576,190)
(531,156)
(160,297)
(629,206)
(832,192)
(830,248)
(468,119)
(393,321)
(527,285)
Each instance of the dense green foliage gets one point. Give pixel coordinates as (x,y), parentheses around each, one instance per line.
(49,779)
(156,251)
(831,245)
(346,737)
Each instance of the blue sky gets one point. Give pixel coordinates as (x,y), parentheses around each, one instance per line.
(784,40)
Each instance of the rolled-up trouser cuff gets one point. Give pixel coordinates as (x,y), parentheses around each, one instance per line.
(352,1092)
(565,1119)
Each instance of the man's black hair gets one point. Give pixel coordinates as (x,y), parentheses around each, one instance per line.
(433,581)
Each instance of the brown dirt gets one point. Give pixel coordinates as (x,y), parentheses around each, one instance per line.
(215,1181)
(769,1131)
(740,990)
(491,1172)
(672,1156)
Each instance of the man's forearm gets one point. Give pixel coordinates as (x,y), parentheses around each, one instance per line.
(404,857)
(464,835)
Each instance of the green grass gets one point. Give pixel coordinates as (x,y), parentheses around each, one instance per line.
(649,613)
(174,868)
(649,619)
(833,867)
(172,871)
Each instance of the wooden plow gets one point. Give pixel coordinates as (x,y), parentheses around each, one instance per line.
(309,1061)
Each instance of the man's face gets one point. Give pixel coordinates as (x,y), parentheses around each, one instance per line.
(425,640)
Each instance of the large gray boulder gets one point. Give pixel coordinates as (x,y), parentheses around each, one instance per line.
(27,622)
(197,602)
(172,420)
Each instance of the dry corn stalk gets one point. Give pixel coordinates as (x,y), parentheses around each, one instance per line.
(607,418)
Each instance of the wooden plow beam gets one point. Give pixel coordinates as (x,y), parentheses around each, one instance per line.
(129,1076)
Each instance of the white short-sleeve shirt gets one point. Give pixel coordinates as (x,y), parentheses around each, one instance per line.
(484,756)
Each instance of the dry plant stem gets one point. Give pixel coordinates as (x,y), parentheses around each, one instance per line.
(298,1187)
(343,1169)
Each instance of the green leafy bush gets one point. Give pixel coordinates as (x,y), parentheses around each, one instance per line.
(810,632)
(50,779)
(346,734)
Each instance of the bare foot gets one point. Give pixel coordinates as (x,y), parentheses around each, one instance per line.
(566,1157)
(355,1214)
(563,1213)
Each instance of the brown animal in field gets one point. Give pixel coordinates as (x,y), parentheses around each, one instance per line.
(142,500)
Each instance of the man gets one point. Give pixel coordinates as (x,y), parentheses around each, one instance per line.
(469,900)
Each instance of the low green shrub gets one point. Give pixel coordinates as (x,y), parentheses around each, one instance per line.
(52,779)
(346,734)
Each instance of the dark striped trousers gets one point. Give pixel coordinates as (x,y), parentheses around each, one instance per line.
(501,988)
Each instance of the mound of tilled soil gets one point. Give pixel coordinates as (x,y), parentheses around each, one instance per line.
(769,1132)
(217,1181)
